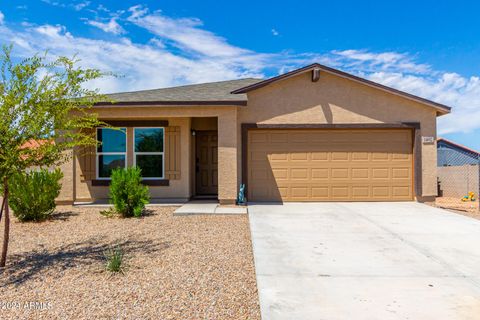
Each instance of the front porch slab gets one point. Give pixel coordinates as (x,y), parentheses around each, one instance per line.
(207,207)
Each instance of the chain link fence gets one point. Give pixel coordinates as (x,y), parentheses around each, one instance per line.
(458,180)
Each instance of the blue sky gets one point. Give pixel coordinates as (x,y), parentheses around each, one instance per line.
(428,48)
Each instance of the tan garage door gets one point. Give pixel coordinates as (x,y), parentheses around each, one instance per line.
(330,165)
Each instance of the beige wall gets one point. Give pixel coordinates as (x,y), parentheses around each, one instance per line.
(67,191)
(177,116)
(334,100)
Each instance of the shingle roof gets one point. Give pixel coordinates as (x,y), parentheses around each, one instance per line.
(204,93)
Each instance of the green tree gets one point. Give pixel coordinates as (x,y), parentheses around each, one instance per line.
(43,103)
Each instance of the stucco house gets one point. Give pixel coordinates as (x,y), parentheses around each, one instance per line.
(312,134)
(450,153)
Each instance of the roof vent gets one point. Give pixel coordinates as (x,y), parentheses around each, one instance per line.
(315,74)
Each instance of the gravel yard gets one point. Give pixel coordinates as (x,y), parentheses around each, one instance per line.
(189,267)
(468,208)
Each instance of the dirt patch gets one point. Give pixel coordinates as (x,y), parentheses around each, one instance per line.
(467,208)
(188,267)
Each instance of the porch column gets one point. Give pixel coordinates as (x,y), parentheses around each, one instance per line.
(227,157)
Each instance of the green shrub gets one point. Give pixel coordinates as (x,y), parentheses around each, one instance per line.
(114,259)
(32,194)
(127,193)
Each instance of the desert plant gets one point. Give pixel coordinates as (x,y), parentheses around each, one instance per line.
(45,106)
(114,260)
(108,213)
(32,194)
(127,193)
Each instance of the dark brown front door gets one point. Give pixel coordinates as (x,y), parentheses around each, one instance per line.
(206,163)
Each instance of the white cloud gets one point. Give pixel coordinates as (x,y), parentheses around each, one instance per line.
(2,18)
(181,51)
(101,7)
(185,32)
(111,26)
(381,61)
(401,72)
(79,6)
(141,66)
(54,3)
(275,32)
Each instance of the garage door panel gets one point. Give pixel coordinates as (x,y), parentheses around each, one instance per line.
(360,173)
(339,173)
(299,156)
(299,174)
(256,155)
(340,192)
(330,165)
(381,191)
(320,174)
(321,193)
(319,156)
(279,137)
(380,173)
(360,156)
(401,173)
(280,173)
(360,192)
(401,191)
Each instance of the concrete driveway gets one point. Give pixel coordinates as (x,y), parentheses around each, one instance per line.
(365,261)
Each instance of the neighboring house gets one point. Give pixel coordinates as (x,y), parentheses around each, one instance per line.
(313,134)
(30,146)
(453,154)
(458,169)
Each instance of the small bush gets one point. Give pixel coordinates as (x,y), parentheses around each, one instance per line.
(114,257)
(32,194)
(127,193)
(108,213)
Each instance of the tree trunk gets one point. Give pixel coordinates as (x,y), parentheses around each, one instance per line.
(1,208)
(6,232)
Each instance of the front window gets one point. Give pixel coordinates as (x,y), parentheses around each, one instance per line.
(148,151)
(112,151)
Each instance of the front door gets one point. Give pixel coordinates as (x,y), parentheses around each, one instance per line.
(206,163)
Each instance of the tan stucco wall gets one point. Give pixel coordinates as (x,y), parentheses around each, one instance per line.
(67,191)
(177,116)
(335,100)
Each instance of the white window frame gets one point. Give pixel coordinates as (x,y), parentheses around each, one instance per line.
(135,153)
(98,154)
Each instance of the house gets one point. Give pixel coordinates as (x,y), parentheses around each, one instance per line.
(458,169)
(312,134)
(450,153)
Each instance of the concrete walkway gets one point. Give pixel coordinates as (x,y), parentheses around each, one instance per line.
(207,207)
(365,261)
